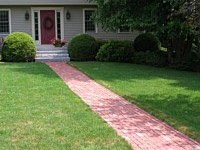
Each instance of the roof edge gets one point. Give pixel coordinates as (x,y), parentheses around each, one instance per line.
(55,4)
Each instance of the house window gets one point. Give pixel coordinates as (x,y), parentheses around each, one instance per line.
(4,22)
(36,22)
(58,25)
(89,24)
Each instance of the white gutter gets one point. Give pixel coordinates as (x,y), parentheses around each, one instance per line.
(56,4)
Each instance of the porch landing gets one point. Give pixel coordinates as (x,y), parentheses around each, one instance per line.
(49,53)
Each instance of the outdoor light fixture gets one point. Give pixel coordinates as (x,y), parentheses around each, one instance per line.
(68,15)
(27,15)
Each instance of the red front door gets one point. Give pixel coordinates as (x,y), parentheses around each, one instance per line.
(48,29)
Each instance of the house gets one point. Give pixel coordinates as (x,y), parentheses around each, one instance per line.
(47,19)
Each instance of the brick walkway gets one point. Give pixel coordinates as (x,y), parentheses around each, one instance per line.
(141,130)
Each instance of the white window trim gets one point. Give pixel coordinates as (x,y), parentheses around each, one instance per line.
(10,27)
(33,27)
(62,36)
(57,9)
(96,25)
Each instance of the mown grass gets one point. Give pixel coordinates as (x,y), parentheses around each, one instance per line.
(173,96)
(39,112)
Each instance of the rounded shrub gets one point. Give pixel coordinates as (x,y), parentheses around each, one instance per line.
(116,51)
(82,47)
(101,42)
(18,47)
(146,42)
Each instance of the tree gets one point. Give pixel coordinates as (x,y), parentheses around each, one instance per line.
(175,21)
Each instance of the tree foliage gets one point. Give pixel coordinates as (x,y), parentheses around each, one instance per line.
(177,22)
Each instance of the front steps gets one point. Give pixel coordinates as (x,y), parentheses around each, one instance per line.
(49,53)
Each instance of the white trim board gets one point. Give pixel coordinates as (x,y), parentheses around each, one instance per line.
(56,9)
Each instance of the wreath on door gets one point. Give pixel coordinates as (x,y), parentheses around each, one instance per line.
(48,23)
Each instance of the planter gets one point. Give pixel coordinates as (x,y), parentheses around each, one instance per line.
(58,45)
(58,42)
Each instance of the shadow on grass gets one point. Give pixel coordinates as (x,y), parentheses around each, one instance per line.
(130,72)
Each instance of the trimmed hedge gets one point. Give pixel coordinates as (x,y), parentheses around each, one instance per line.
(101,42)
(192,65)
(116,51)
(82,47)
(186,66)
(18,47)
(158,58)
(146,42)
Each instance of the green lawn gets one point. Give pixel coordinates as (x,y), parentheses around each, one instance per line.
(173,96)
(39,112)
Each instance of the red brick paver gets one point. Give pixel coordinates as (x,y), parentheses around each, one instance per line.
(141,130)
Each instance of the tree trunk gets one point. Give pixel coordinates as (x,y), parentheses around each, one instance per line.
(170,51)
(183,48)
(188,48)
(178,47)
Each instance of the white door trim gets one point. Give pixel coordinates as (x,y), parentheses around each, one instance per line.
(38,9)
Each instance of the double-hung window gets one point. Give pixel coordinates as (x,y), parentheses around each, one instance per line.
(4,21)
(89,24)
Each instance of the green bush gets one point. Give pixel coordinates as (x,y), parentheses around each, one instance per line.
(195,56)
(146,42)
(196,44)
(116,51)
(18,47)
(158,58)
(83,47)
(192,65)
(101,42)
(186,66)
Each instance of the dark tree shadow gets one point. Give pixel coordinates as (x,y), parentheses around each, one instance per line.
(130,72)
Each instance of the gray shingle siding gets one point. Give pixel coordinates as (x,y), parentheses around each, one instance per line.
(18,22)
(71,27)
